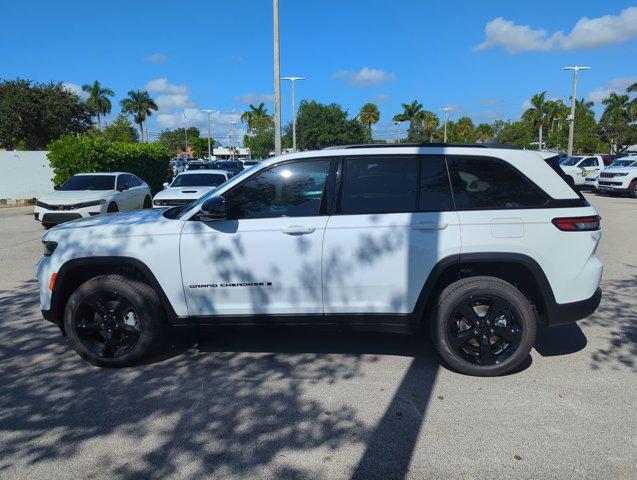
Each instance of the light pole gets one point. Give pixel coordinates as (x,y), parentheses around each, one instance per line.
(398,131)
(277,79)
(232,142)
(571,118)
(185,136)
(209,111)
(292,80)
(446,109)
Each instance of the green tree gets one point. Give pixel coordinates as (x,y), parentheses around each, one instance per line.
(632,104)
(319,125)
(261,142)
(535,114)
(174,139)
(412,112)
(34,114)
(140,106)
(369,115)
(614,123)
(98,100)
(256,117)
(484,132)
(464,131)
(515,133)
(121,130)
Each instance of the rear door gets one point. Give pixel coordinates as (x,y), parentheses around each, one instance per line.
(393,222)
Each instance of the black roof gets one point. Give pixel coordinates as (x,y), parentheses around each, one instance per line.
(422,145)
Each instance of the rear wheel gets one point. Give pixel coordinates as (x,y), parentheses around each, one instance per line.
(483,326)
(147,202)
(112,208)
(113,321)
(632,189)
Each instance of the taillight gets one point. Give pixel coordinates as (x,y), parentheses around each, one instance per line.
(578,224)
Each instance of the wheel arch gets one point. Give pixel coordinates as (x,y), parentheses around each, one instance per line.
(520,270)
(75,272)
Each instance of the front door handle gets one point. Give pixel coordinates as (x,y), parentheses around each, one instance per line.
(430,226)
(297,230)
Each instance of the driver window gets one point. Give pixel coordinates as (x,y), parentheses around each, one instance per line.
(288,190)
(589,162)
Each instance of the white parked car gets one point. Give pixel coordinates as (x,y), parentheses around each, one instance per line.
(620,177)
(593,177)
(189,186)
(88,194)
(470,242)
(577,168)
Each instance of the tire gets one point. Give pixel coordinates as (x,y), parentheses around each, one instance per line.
(112,208)
(136,325)
(147,202)
(48,225)
(479,350)
(632,189)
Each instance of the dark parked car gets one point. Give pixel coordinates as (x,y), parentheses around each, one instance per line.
(232,166)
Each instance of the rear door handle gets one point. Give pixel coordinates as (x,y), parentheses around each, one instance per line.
(297,230)
(430,226)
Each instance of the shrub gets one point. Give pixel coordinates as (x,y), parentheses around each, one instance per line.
(71,155)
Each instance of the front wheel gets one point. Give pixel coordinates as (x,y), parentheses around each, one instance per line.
(632,189)
(147,202)
(484,326)
(112,208)
(112,321)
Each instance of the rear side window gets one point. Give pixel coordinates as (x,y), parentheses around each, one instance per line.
(379,185)
(486,183)
(435,191)
(589,162)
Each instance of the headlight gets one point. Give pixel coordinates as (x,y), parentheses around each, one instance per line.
(49,248)
(621,174)
(157,202)
(41,204)
(93,203)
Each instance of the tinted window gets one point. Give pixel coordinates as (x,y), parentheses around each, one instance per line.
(289,190)
(124,180)
(435,191)
(199,180)
(135,182)
(379,185)
(90,182)
(589,162)
(484,183)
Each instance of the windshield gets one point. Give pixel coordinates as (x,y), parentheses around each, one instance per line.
(89,182)
(570,161)
(623,163)
(199,180)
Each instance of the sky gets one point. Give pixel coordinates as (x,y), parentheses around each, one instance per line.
(484,59)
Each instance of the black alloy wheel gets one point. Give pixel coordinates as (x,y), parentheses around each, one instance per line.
(484,330)
(107,324)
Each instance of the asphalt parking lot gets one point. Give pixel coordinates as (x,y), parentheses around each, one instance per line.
(288,404)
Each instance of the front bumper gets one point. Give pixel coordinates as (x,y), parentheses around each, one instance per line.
(55,217)
(563,313)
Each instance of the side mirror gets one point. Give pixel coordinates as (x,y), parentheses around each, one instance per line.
(123,188)
(213,209)
(56,187)
(165,184)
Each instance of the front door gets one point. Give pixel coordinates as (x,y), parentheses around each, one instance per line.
(265,258)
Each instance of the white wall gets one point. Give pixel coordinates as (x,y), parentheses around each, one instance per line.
(24,175)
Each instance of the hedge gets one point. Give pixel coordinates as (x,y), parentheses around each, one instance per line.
(70,155)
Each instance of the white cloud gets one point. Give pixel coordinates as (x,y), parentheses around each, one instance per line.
(381,97)
(76,89)
(615,85)
(587,33)
(490,101)
(161,85)
(254,98)
(366,77)
(156,57)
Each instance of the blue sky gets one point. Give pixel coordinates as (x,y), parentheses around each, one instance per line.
(483,58)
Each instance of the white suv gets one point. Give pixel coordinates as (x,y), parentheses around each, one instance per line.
(621,178)
(88,194)
(577,168)
(471,240)
(189,186)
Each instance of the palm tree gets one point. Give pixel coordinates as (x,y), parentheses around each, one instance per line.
(256,117)
(140,106)
(535,113)
(465,131)
(430,123)
(616,108)
(632,104)
(484,132)
(412,112)
(555,112)
(97,100)
(369,115)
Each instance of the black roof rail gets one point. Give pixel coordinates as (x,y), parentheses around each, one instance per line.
(425,145)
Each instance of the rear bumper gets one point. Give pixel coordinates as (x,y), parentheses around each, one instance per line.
(562,313)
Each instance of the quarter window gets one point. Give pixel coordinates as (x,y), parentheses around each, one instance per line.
(379,185)
(288,190)
(485,183)
(435,191)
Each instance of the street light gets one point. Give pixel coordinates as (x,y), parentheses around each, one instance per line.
(232,144)
(398,130)
(277,79)
(292,80)
(571,118)
(446,109)
(185,135)
(209,111)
